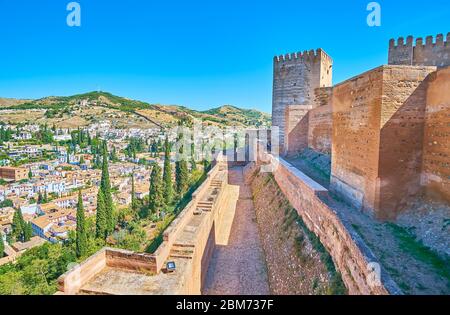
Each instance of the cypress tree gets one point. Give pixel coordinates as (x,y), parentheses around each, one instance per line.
(106,189)
(181,169)
(81,236)
(2,246)
(18,226)
(28,232)
(156,196)
(100,222)
(133,194)
(167,176)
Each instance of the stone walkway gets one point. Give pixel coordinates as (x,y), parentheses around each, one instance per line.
(238,265)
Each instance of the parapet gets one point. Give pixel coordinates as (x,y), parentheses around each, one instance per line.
(434,51)
(430,41)
(308,56)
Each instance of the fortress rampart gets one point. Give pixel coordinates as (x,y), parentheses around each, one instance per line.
(435,51)
(385,130)
(189,241)
(351,255)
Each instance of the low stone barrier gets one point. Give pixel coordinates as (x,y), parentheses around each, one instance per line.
(360,270)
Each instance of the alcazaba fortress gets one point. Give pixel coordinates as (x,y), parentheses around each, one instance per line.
(384,136)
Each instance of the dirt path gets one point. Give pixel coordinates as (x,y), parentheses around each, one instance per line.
(238,265)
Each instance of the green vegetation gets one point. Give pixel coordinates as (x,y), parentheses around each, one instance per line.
(100,222)
(156,194)
(21,230)
(2,247)
(37,270)
(105,187)
(181,169)
(245,116)
(81,237)
(197,178)
(44,135)
(136,145)
(134,203)
(419,251)
(6,203)
(167,175)
(57,107)
(5,134)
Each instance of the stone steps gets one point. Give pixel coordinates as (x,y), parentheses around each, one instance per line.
(182,251)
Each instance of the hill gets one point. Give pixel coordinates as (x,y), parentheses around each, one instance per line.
(84,109)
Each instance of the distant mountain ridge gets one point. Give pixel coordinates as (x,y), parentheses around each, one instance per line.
(82,109)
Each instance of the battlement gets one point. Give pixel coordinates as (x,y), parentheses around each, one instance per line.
(430,41)
(311,55)
(434,51)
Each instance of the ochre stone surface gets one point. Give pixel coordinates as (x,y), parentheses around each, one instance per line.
(297,122)
(378,125)
(320,129)
(349,252)
(436,152)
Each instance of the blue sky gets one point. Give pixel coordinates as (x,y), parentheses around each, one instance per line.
(200,54)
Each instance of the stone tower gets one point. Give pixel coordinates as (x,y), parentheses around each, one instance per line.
(295,78)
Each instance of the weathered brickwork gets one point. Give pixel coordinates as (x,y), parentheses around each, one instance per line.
(296,76)
(401,137)
(378,121)
(350,254)
(434,52)
(320,129)
(296,128)
(356,123)
(436,152)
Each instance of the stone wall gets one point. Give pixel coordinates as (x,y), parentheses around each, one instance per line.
(296,129)
(436,152)
(356,123)
(295,77)
(401,137)
(434,52)
(349,252)
(378,120)
(320,126)
(197,233)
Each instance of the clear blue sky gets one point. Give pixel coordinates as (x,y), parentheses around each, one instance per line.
(200,54)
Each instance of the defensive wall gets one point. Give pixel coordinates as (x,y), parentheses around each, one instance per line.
(435,51)
(352,257)
(189,242)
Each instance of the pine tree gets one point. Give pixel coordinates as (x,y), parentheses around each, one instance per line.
(2,246)
(100,222)
(167,176)
(40,198)
(105,186)
(156,196)
(133,194)
(81,236)
(45,199)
